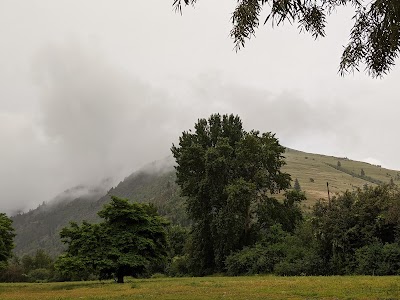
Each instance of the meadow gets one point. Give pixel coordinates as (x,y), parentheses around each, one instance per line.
(313,171)
(254,287)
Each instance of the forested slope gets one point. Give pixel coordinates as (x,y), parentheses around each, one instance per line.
(39,228)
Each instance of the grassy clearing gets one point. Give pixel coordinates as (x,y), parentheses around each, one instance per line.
(303,166)
(257,287)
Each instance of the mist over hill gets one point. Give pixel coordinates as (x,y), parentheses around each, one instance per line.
(39,228)
(155,183)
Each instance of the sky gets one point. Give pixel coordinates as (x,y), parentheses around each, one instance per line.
(96,89)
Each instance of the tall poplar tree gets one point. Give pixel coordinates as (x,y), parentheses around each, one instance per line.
(225,172)
(6,239)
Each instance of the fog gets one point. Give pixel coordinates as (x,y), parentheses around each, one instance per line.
(93,90)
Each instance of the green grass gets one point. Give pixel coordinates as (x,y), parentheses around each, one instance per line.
(304,166)
(256,287)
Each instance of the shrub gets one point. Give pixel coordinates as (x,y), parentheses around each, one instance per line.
(378,259)
(258,259)
(39,275)
(179,266)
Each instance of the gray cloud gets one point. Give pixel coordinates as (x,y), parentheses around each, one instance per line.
(118,82)
(97,121)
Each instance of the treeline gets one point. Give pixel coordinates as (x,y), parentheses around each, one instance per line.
(228,177)
(30,268)
(357,233)
(354,174)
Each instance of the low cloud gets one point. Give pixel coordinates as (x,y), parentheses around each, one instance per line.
(96,120)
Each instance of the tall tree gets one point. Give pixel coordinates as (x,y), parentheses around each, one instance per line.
(296,186)
(224,172)
(374,38)
(131,237)
(6,239)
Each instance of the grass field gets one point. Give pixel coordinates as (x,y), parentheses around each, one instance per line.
(306,166)
(257,287)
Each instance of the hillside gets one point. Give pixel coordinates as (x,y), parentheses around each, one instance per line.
(155,183)
(39,228)
(314,170)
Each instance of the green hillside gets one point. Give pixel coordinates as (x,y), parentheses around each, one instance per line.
(39,228)
(314,170)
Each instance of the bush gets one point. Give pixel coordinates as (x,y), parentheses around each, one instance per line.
(179,266)
(378,259)
(391,257)
(40,275)
(247,261)
(12,273)
(306,262)
(255,260)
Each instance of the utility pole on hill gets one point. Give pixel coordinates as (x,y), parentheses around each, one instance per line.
(329,197)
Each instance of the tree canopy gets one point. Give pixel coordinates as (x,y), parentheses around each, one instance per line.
(6,238)
(374,38)
(227,175)
(349,230)
(131,238)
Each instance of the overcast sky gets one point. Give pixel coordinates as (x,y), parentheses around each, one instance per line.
(97,88)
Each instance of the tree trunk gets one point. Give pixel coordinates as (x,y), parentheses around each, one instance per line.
(120,278)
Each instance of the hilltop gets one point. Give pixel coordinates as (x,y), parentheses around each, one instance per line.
(155,183)
(314,170)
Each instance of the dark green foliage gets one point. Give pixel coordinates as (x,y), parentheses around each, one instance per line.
(339,164)
(131,238)
(39,267)
(41,260)
(357,234)
(6,239)
(355,220)
(36,268)
(374,38)
(39,228)
(177,238)
(296,185)
(287,213)
(262,257)
(301,256)
(362,173)
(39,275)
(378,259)
(13,272)
(281,253)
(224,171)
(254,260)
(178,266)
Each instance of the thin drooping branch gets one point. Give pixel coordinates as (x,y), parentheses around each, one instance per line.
(374,38)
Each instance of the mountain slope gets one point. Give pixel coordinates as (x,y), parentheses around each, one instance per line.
(155,183)
(314,170)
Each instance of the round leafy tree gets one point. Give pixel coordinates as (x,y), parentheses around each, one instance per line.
(130,239)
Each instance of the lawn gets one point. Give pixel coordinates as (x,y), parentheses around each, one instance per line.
(256,287)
